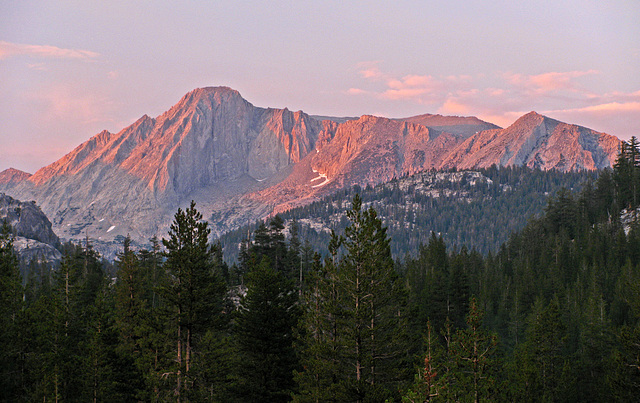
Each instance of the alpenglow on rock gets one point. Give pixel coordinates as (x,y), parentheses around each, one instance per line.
(240,162)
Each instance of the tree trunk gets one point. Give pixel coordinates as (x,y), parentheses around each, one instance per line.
(179,359)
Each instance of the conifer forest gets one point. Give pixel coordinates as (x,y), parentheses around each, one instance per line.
(552,314)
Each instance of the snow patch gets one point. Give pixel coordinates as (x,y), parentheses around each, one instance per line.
(101,220)
(324,178)
(111,228)
(320,184)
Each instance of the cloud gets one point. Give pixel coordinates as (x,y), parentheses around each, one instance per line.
(356,91)
(8,49)
(369,70)
(548,82)
(503,97)
(62,103)
(607,108)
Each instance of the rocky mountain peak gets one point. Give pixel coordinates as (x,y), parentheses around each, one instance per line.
(240,162)
(538,142)
(463,126)
(531,119)
(12,176)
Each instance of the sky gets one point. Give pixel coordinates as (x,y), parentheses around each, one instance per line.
(70,69)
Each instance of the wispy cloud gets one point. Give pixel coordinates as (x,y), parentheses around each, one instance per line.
(605,108)
(63,103)
(548,82)
(423,89)
(8,49)
(504,97)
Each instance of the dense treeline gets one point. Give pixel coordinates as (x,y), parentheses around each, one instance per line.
(477,212)
(554,315)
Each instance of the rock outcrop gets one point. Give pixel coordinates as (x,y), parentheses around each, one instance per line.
(33,237)
(463,126)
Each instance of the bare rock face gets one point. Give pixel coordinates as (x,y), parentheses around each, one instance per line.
(12,176)
(27,220)
(372,150)
(463,126)
(34,238)
(213,143)
(240,162)
(538,142)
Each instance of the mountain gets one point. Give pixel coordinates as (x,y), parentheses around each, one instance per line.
(537,142)
(369,150)
(240,162)
(459,125)
(33,237)
(12,176)
(212,145)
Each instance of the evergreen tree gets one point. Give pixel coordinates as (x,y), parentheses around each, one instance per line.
(195,291)
(10,310)
(429,383)
(268,315)
(132,314)
(373,303)
(473,352)
(320,342)
(541,362)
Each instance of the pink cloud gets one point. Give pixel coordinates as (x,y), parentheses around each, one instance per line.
(371,73)
(548,82)
(403,93)
(612,107)
(370,70)
(61,103)
(356,91)
(504,97)
(8,49)
(452,107)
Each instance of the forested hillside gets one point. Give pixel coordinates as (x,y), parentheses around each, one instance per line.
(553,315)
(476,209)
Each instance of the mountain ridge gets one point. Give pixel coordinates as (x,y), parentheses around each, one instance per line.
(241,162)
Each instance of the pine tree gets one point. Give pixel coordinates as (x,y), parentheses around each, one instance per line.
(373,303)
(10,310)
(195,291)
(132,314)
(268,315)
(540,361)
(320,338)
(429,383)
(473,354)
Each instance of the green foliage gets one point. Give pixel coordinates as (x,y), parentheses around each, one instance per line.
(466,209)
(264,328)
(10,315)
(194,293)
(355,317)
(555,317)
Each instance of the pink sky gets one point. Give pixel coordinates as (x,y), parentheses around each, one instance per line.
(70,69)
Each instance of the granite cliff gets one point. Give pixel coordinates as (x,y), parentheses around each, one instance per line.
(536,141)
(240,162)
(33,237)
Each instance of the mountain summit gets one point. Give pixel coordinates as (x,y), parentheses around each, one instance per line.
(240,162)
(537,141)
